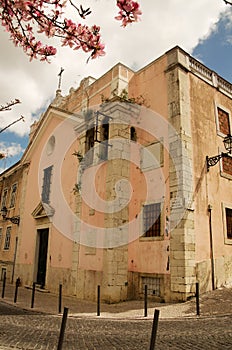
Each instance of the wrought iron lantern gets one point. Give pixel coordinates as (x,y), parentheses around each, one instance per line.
(13,219)
(211,161)
(228,143)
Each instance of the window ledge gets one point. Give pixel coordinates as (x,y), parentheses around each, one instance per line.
(228,241)
(226,175)
(146,239)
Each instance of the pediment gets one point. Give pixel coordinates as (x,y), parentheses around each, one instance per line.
(43,210)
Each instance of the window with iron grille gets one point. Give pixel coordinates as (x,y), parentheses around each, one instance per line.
(151,220)
(153,285)
(13,195)
(46,185)
(7,239)
(229,222)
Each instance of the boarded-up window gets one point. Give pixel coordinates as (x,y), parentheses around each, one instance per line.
(229,223)
(223,121)
(227,165)
(152,156)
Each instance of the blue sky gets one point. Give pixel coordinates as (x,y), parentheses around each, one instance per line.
(203,30)
(12,145)
(216,50)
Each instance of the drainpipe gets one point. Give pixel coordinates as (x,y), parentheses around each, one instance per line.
(14,261)
(211,246)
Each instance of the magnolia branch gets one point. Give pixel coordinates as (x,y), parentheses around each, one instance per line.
(9,125)
(19,17)
(7,106)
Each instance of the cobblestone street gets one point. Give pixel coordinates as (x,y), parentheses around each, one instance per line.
(25,329)
(120,326)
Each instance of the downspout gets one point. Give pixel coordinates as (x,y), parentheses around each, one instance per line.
(15,252)
(211,247)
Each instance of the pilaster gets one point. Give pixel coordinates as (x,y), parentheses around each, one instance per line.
(182,245)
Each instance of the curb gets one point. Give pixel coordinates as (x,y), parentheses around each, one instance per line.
(114,317)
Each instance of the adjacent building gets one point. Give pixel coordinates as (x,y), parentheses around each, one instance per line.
(116,191)
(10,187)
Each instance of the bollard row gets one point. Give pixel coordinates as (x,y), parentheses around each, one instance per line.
(65,313)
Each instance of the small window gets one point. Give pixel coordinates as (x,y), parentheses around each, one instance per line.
(223,120)
(46,184)
(4,198)
(133,135)
(229,223)
(151,220)
(13,195)
(104,139)
(7,239)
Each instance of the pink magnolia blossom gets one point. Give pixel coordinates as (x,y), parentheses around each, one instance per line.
(26,20)
(129,11)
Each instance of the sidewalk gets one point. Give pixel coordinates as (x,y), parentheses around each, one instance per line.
(215,303)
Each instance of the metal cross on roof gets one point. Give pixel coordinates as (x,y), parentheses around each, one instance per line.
(60,77)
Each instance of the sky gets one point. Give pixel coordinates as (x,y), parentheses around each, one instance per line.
(203,28)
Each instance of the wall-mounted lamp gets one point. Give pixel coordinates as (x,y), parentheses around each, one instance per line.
(211,161)
(13,219)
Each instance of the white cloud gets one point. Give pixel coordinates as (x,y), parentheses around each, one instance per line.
(12,152)
(164,24)
(11,149)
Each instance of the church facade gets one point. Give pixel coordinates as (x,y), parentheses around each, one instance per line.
(118,186)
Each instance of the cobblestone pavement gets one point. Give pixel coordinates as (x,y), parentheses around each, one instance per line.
(120,326)
(24,329)
(218,302)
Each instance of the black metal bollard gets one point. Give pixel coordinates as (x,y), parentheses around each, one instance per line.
(33,295)
(17,284)
(60,298)
(145,301)
(197,299)
(154,329)
(62,329)
(98,300)
(3,285)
